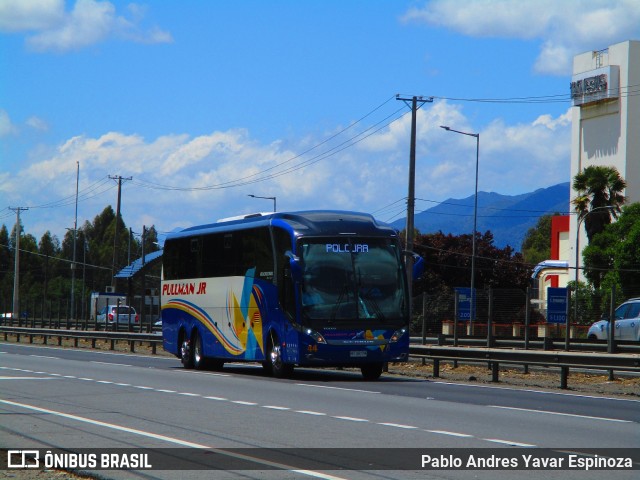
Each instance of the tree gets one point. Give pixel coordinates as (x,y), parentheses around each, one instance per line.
(536,246)
(613,257)
(448,263)
(599,197)
(49,249)
(6,270)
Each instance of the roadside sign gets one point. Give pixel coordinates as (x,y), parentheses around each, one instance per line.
(464,303)
(557,306)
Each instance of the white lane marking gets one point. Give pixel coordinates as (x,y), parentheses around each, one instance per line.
(123,384)
(507,442)
(398,425)
(165,391)
(310,412)
(453,434)
(106,382)
(187,394)
(141,387)
(547,412)
(220,399)
(114,364)
(105,424)
(176,441)
(275,407)
(350,419)
(199,373)
(26,378)
(69,376)
(43,356)
(240,402)
(335,388)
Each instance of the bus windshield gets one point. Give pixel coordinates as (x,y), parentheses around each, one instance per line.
(352,281)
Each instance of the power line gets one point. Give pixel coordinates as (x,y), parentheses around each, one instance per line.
(264,175)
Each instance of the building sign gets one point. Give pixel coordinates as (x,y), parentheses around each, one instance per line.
(595,85)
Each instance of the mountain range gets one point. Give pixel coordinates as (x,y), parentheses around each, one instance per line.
(508,217)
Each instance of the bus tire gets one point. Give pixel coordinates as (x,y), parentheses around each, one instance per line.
(186,353)
(371,371)
(199,361)
(273,363)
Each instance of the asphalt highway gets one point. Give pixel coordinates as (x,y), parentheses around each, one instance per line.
(74,399)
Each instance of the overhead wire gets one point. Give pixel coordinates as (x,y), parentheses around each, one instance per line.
(252,178)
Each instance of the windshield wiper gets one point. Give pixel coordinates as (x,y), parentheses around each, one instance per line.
(334,312)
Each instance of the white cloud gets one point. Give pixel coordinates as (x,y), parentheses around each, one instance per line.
(89,22)
(6,126)
(565,28)
(37,124)
(212,174)
(25,15)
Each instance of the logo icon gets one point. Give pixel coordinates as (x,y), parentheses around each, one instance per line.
(23,459)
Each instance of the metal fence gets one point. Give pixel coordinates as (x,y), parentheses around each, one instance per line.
(504,312)
(57,314)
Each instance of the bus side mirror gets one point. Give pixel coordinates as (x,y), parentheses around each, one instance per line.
(418,266)
(294,267)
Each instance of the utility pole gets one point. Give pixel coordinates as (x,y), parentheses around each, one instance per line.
(119,179)
(16,268)
(411,197)
(75,235)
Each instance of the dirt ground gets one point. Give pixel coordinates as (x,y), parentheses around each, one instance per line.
(538,378)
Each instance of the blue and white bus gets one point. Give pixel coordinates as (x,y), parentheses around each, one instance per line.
(309,289)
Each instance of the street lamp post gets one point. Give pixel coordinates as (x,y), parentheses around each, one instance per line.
(472,310)
(266,198)
(579,223)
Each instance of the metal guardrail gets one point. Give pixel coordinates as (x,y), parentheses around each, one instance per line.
(436,353)
(153,339)
(546,343)
(496,356)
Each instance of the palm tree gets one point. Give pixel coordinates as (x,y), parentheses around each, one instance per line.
(598,188)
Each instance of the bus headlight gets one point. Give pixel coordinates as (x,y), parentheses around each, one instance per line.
(315,335)
(397,335)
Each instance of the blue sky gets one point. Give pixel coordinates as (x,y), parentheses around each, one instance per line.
(204,103)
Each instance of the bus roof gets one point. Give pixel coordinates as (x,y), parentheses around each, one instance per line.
(313,222)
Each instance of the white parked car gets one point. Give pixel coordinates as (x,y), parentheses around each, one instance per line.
(123,315)
(627,323)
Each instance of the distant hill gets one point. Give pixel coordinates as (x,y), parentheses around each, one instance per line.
(507,217)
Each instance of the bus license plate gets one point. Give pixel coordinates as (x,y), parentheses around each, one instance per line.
(358,353)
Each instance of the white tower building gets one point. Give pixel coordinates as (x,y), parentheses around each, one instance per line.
(605,89)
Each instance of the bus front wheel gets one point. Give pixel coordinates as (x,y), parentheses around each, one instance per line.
(273,363)
(371,371)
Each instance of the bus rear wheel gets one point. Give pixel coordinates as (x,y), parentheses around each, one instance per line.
(371,371)
(186,354)
(198,358)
